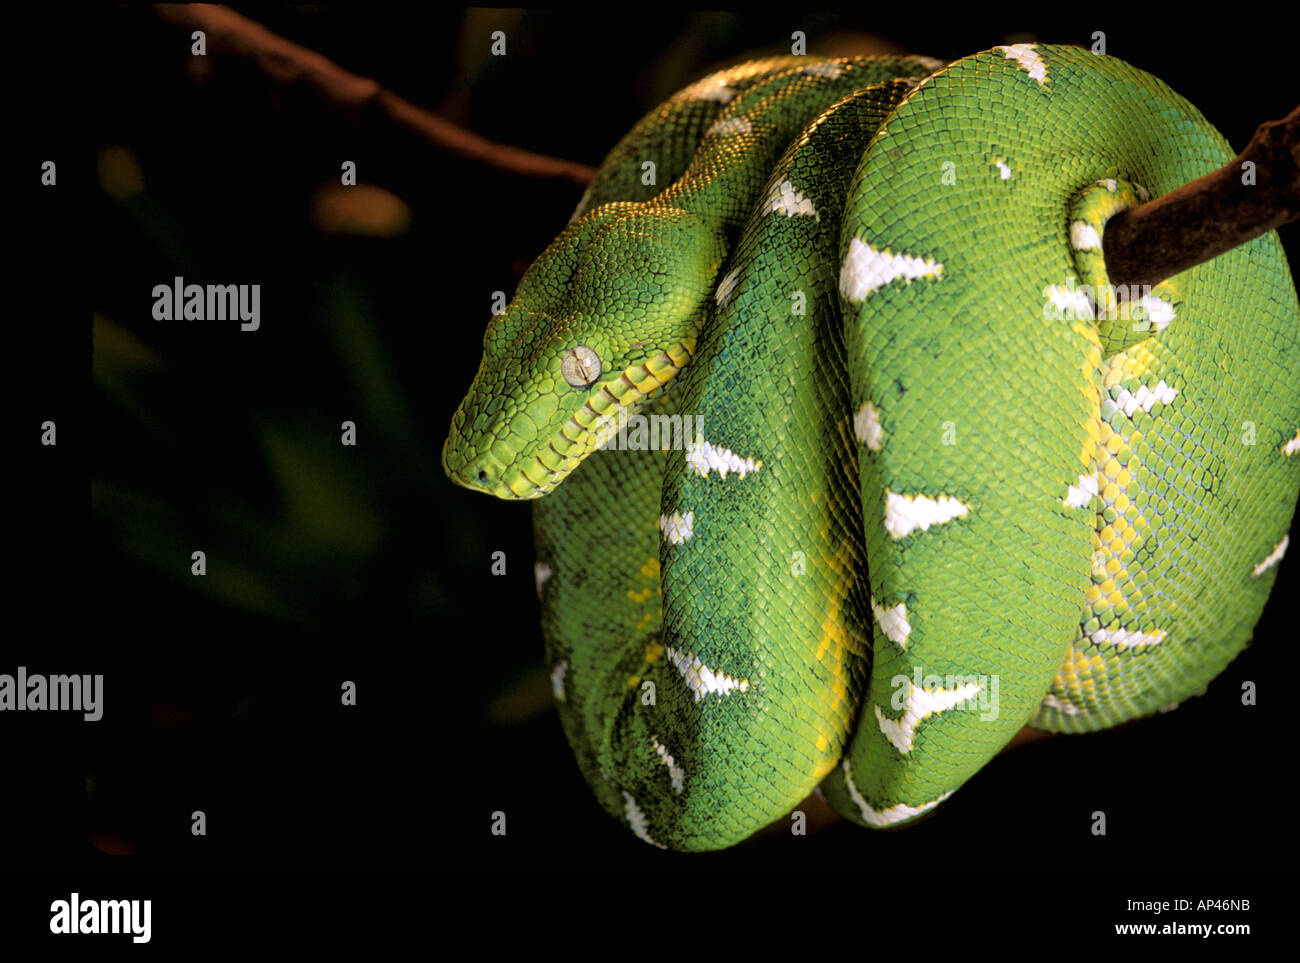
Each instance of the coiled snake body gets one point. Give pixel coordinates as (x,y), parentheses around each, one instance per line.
(929,490)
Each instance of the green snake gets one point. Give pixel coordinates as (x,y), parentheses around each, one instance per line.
(852,463)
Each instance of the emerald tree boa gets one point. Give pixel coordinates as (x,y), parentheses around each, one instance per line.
(919,476)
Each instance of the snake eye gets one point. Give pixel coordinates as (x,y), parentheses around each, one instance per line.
(580,366)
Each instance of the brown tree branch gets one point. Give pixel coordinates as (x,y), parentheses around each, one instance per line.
(1210,215)
(289,63)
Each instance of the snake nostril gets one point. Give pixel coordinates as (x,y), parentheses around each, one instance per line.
(482,474)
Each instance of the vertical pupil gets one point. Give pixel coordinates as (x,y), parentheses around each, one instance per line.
(581,367)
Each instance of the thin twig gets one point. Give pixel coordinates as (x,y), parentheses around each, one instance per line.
(288,63)
(1144,245)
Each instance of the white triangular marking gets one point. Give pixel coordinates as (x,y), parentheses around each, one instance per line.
(1083,237)
(893,621)
(1051,702)
(541,574)
(711,88)
(867,269)
(557,680)
(1145,398)
(1028,57)
(704,457)
(1158,311)
(726,286)
(636,819)
(1273,558)
(922,703)
(677,527)
(784,199)
(1080,494)
(701,679)
(831,70)
(675,772)
(1071,303)
(867,428)
(730,125)
(1123,639)
(884,817)
(905,514)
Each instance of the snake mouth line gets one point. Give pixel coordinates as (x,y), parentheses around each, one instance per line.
(534,475)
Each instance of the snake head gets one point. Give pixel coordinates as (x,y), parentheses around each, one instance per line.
(600,322)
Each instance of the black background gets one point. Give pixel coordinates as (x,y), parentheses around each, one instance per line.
(224,696)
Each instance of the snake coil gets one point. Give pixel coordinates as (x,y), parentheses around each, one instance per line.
(854,463)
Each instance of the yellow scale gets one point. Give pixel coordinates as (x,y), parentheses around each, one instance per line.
(1114,600)
(651,594)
